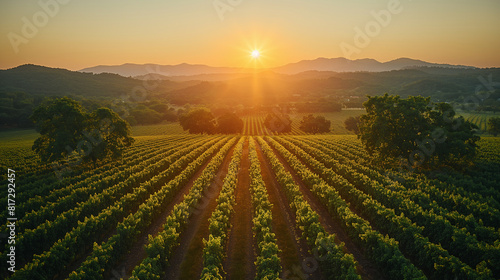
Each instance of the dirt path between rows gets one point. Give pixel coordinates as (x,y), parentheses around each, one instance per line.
(138,252)
(240,247)
(294,250)
(187,259)
(366,268)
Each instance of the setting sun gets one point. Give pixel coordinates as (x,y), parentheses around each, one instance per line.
(255,54)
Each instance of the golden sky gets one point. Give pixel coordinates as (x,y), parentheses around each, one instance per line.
(75,34)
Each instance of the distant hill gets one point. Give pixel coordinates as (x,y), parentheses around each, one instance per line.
(23,88)
(40,80)
(369,65)
(183,71)
(268,86)
(34,79)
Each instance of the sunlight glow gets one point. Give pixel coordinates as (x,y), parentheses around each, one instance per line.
(255,54)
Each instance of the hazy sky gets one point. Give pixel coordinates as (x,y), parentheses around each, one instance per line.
(75,34)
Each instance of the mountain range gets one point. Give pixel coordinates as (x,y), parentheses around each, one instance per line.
(320,64)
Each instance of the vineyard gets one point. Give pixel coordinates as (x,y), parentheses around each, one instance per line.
(479,119)
(252,206)
(254,124)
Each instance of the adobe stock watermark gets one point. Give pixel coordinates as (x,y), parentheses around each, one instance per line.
(118,275)
(224,6)
(482,91)
(279,121)
(363,36)
(310,264)
(140,93)
(210,190)
(31,26)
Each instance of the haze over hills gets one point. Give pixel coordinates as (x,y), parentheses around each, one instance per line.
(184,69)
(429,81)
(341,64)
(46,81)
(440,83)
(320,64)
(22,88)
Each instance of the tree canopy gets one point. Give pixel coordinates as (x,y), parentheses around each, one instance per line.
(68,131)
(201,120)
(426,134)
(229,123)
(494,125)
(198,121)
(352,124)
(315,124)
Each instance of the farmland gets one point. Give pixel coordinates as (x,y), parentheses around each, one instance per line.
(254,124)
(180,206)
(480,119)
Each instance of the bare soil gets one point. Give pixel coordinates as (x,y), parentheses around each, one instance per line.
(294,250)
(240,247)
(187,259)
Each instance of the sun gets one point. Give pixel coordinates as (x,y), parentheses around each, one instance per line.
(255,54)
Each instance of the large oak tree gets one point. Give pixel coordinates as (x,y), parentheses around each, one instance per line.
(68,131)
(426,134)
(315,124)
(198,121)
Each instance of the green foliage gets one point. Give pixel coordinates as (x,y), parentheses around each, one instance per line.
(385,250)
(213,255)
(315,124)
(268,264)
(144,116)
(67,131)
(229,123)
(112,135)
(158,175)
(201,120)
(61,123)
(15,109)
(454,249)
(213,251)
(413,129)
(176,221)
(150,112)
(313,232)
(198,121)
(445,226)
(352,124)
(494,125)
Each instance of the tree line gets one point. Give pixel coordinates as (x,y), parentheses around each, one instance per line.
(203,121)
